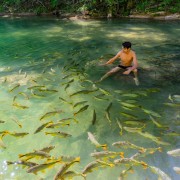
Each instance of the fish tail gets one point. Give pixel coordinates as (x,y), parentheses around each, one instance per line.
(20,155)
(159,149)
(104,146)
(84,176)
(76,121)
(77,159)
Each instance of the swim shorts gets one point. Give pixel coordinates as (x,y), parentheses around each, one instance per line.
(123,67)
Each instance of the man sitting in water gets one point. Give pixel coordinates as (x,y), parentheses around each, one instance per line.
(128,62)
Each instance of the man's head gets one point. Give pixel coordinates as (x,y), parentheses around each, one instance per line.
(126,46)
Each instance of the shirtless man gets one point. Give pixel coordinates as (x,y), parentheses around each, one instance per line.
(128,62)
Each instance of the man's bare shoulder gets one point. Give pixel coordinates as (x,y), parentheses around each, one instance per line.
(133,52)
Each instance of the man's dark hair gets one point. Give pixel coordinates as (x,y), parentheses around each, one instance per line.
(126,45)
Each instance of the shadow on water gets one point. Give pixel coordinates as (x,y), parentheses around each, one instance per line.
(63,58)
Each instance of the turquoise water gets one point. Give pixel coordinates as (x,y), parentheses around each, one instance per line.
(43,51)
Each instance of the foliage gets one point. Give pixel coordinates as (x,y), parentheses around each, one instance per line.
(99,7)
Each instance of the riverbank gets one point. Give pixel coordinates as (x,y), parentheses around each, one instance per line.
(71,16)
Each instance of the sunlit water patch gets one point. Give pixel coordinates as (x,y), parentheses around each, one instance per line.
(50,104)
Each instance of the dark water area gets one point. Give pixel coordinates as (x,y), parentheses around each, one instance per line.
(49,65)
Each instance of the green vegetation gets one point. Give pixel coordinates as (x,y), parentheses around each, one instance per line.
(90,7)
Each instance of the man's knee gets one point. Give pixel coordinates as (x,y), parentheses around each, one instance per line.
(135,70)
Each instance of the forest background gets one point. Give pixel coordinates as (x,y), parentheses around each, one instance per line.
(92,8)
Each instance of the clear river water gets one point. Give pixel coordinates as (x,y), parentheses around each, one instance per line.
(48,67)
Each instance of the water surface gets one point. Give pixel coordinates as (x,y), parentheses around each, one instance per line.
(43,51)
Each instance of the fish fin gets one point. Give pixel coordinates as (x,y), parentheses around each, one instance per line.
(160,149)
(121,154)
(76,121)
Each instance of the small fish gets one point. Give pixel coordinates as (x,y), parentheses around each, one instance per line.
(129,115)
(177,169)
(19,106)
(126,144)
(90,167)
(94,165)
(71,174)
(16,86)
(25,95)
(83,92)
(64,168)
(14,98)
(157,124)
(94,117)
(17,122)
(35,87)
(42,167)
(52,70)
(48,90)
(25,74)
(176,98)
(68,85)
(175,152)
(170,98)
(107,154)
(107,113)
(20,71)
(62,99)
(34,154)
(59,134)
(56,125)
(95,142)
(47,149)
(100,97)
(130,95)
(66,76)
(81,110)
(172,104)
(49,114)
(2,145)
(120,126)
(37,95)
(135,123)
(160,173)
(21,162)
(133,130)
(1,121)
(105,92)
(42,127)
(3,133)
(79,103)
(72,80)
(15,134)
(150,112)
(153,138)
(123,174)
(129,105)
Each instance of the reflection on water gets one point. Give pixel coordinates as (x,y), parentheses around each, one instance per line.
(48,99)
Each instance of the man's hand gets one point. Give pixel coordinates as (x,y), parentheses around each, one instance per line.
(103,64)
(128,71)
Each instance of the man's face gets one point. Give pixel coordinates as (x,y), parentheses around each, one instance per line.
(125,49)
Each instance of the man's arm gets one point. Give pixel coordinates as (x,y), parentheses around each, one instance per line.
(135,64)
(113,59)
